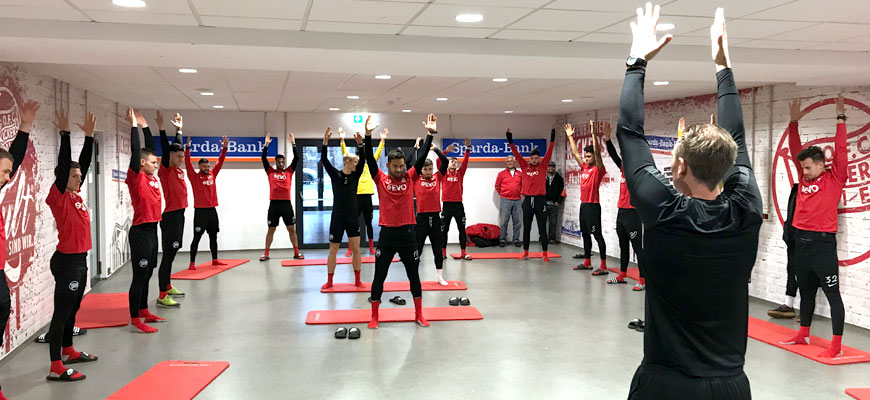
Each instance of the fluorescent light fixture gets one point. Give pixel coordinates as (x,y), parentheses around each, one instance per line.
(661,83)
(334,109)
(567,100)
(406,111)
(129,3)
(469,18)
(206,93)
(383,77)
(353,97)
(441,99)
(499,79)
(187,70)
(508,112)
(218,107)
(665,27)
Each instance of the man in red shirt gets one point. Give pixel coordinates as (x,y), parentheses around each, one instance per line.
(452,198)
(815,223)
(591,174)
(534,189)
(508,184)
(427,189)
(280,206)
(145,195)
(205,201)
(69,264)
(175,197)
(396,198)
(9,163)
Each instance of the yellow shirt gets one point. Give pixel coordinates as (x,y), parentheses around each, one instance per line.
(366,184)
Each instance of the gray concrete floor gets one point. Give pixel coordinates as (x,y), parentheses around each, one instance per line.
(548,333)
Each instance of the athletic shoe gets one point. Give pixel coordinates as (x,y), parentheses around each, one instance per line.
(783,311)
(175,292)
(638,287)
(502,244)
(264,258)
(442,282)
(467,257)
(168,302)
(516,243)
(552,241)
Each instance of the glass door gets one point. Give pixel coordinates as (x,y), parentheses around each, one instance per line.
(316,193)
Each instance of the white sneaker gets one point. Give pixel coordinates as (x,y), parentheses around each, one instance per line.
(442,282)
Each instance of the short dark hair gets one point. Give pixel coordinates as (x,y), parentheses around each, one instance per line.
(452,159)
(395,154)
(145,152)
(427,163)
(175,147)
(279,156)
(589,149)
(202,160)
(814,152)
(5,155)
(535,152)
(72,165)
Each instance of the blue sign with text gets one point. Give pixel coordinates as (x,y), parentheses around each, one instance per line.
(239,146)
(493,148)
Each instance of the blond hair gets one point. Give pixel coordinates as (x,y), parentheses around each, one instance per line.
(709,152)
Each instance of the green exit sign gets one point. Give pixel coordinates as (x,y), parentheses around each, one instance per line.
(357,119)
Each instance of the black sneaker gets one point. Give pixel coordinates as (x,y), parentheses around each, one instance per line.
(782,312)
(502,244)
(516,243)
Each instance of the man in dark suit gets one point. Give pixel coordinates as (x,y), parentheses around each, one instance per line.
(555,186)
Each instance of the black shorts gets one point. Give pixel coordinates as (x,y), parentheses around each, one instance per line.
(5,306)
(629,220)
(652,382)
(815,253)
(341,224)
(206,219)
(172,229)
(281,209)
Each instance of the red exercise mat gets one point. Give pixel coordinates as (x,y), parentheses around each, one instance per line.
(103,310)
(172,380)
(860,394)
(322,261)
(504,256)
(206,270)
(404,314)
(400,286)
(771,333)
(632,273)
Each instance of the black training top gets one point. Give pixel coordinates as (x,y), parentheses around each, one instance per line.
(344,186)
(698,253)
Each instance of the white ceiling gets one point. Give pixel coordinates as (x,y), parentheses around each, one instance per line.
(308,55)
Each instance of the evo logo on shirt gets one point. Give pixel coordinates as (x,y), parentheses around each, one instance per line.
(154,184)
(280,177)
(532,172)
(428,184)
(452,179)
(809,189)
(208,182)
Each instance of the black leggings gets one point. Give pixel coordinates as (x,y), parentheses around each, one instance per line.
(205,220)
(533,207)
(453,210)
(396,240)
(590,225)
(629,229)
(171,235)
(364,205)
(429,225)
(5,307)
(791,285)
(70,273)
(816,265)
(143,259)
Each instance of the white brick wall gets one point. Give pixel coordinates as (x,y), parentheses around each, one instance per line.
(766,122)
(33,296)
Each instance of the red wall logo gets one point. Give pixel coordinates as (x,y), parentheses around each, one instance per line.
(856,193)
(18,203)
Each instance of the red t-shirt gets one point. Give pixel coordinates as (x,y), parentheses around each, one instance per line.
(534,177)
(396,197)
(174,187)
(204,189)
(427,191)
(624,198)
(508,186)
(145,194)
(280,182)
(817,200)
(72,219)
(590,182)
(453,181)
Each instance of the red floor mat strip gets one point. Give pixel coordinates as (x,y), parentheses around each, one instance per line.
(172,380)
(771,333)
(504,256)
(206,270)
(403,314)
(322,261)
(400,286)
(103,310)
(860,394)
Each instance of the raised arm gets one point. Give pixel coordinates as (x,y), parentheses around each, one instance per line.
(135,147)
(88,149)
(794,137)
(380,149)
(841,151)
(367,149)
(327,166)
(264,156)
(431,127)
(164,141)
(517,156)
(221,158)
(464,165)
(178,124)
(549,154)
(360,149)
(18,148)
(187,165)
(341,141)
(296,155)
(149,139)
(64,156)
(596,146)
(614,155)
(442,161)
(569,132)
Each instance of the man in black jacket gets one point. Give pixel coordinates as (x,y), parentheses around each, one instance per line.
(786,310)
(555,186)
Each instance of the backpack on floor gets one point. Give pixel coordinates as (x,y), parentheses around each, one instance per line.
(482,235)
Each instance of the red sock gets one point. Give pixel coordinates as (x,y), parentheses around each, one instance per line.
(463,253)
(357,281)
(801,337)
(642,281)
(603,264)
(57,368)
(546,257)
(349,253)
(266,253)
(444,252)
(217,262)
(2,397)
(834,349)
(137,322)
(372,245)
(296,250)
(587,262)
(148,317)
(373,324)
(71,353)
(192,266)
(168,287)
(162,295)
(418,309)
